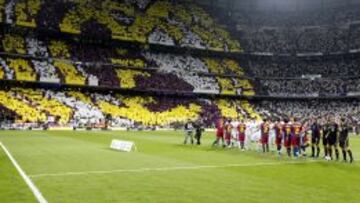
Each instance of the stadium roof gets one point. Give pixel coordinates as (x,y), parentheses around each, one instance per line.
(276,4)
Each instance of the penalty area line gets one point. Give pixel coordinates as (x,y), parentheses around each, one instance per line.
(40,198)
(175,168)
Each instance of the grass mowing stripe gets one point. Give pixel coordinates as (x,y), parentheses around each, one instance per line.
(62,152)
(26,178)
(175,168)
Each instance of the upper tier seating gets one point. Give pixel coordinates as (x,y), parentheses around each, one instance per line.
(158,22)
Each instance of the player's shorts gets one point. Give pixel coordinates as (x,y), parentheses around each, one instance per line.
(219,134)
(315,139)
(241,137)
(287,142)
(344,144)
(295,141)
(265,139)
(331,140)
(227,136)
(325,140)
(278,140)
(304,146)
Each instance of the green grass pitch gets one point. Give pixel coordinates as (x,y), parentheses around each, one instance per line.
(71,166)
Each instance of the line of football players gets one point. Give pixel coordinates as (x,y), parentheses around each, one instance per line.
(288,134)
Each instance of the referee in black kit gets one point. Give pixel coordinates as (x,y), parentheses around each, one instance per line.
(198,131)
(332,135)
(344,140)
(316,130)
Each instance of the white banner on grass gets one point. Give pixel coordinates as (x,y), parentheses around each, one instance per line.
(121,145)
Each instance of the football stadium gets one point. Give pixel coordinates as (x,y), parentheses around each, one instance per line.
(179,101)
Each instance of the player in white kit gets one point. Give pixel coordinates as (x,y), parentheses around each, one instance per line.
(234,133)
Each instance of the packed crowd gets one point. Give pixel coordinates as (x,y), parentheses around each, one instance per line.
(295,67)
(331,31)
(303,77)
(67,61)
(312,17)
(350,109)
(305,40)
(309,87)
(78,108)
(185,24)
(158,22)
(71,107)
(61,61)
(6,114)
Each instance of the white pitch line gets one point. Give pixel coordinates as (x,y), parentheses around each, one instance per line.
(175,168)
(26,178)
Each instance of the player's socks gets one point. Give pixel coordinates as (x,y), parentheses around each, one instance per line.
(303,148)
(279,149)
(350,155)
(330,153)
(326,151)
(318,152)
(344,155)
(288,151)
(337,154)
(296,151)
(312,151)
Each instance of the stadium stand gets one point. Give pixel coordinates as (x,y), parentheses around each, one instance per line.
(43,102)
(25,111)
(68,63)
(299,77)
(331,31)
(82,62)
(22,69)
(310,109)
(15,44)
(71,75)
(68,107)
(158,22)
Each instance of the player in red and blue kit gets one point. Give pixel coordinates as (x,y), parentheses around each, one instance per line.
(241,129)
(316,130)
(227,129)
(219,132)
(287,128)
(278,135)
(265,129)
(296,137)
